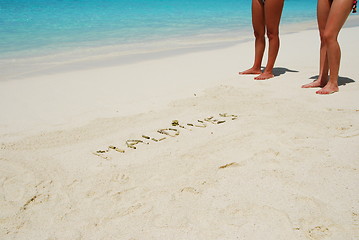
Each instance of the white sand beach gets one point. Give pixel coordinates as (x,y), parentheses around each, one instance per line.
(285,168)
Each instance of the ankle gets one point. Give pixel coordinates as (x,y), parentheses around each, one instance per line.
(268,71)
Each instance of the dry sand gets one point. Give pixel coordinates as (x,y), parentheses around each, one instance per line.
(286,168)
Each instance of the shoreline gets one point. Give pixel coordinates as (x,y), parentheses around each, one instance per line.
(53,64)
(110,56)
(98,57)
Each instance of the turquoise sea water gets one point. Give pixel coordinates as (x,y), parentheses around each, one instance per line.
(87,28)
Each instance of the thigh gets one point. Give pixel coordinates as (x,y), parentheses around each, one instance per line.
(258,16)
(323,9)
(273,12)
(338,14)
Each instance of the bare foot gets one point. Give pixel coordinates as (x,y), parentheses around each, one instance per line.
(328,89)
(264,76)
(251,71)
(316,83)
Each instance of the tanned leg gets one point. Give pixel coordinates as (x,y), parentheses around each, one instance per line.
(338,14)
(259,30)
(323,9)
(272,11)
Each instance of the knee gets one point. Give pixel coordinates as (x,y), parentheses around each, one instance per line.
(321,34)
(272,35)
(259,35)
(322,38)
(328,37)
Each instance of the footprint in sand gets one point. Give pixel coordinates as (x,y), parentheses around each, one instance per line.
(13,180)
(264,222)
(120,178)
(319,232)
(16,187)
(13,189)
(131,209)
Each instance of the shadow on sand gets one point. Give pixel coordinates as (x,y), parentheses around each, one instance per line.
(342,81)
(277,71)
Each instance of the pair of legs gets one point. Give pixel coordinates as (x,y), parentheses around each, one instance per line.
(265,17)
(331,16)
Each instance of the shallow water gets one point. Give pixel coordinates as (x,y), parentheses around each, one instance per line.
(52,32)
